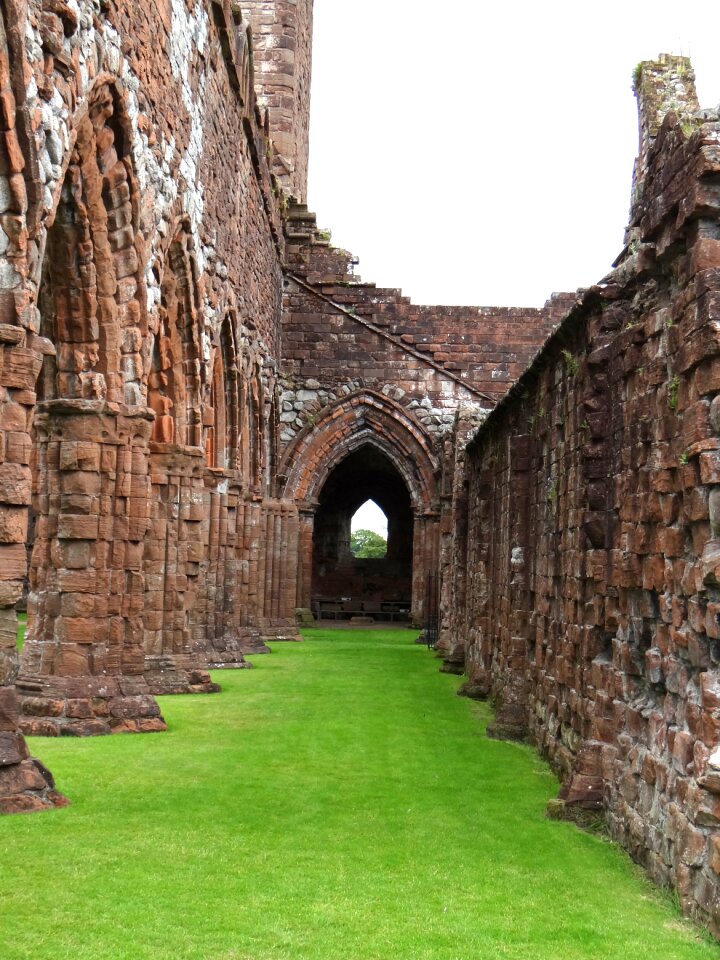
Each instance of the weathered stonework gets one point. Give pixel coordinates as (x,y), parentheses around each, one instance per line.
(140,293)
(363,369)
(282,49)
(196,393)
(589,551)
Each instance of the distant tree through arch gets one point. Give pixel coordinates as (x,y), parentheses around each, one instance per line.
(368,532)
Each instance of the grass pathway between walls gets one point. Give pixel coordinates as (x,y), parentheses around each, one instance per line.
(339,802)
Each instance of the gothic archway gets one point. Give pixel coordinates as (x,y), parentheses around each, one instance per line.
(364,424)
(183,437)
(362,583)
(91,494)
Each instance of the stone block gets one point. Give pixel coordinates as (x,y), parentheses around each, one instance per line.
(710,466)
(13,561)
(77,527)
(12,749)
(19,778)
(15,484)
(76,630)
(85,728)
(72,660)
(79,709)
(79,456)
(9,709)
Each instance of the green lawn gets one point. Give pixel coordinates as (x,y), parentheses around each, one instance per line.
(338,802)
(22,624)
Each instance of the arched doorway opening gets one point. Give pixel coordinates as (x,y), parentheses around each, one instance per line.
(370,422)
(343,584)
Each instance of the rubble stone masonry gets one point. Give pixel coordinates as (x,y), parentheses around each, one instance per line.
(140,293)
(195,388)
(586,593)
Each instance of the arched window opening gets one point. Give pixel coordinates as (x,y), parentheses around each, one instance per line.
(91,301)
(273,433)
(215,438)
(174,385)
(251,424)
(221,418)
(257,425)
(368,532)
(230,391)
(163,387)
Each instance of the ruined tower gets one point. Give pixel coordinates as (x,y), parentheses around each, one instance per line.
(282,50)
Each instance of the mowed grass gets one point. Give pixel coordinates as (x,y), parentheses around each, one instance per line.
(339,802)
(22,626)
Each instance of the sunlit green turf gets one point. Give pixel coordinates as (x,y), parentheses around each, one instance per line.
(338,802)
(22,624)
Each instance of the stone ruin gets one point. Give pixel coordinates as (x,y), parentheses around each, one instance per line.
(197,392)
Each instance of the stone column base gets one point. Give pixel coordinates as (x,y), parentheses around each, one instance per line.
(254,644)
(455,667)
(168,674)
(26,786)
(86,706)
(510,723)
(476,688)
(283,629)
(228,653)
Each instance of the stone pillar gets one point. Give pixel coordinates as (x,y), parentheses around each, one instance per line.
(175,547)
(453,539)
(224,618)
(306,523)
(82,665)
(426,546)
(221,634)
(511,682)
(277,610)
(661,86)
(25,784)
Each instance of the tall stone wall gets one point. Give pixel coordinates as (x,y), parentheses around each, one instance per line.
(589,564)
(140,295)
(363,363)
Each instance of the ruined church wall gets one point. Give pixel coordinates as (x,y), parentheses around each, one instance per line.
(590,543)
(483,349)
(340,335)
(351,349)
(123,568)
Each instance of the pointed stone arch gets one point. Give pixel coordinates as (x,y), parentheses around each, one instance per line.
(252,422)
(81,670)
(177,376)
(90,295)
(183,382)
(221,435)
(365,418)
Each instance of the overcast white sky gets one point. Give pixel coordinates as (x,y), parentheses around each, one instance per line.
(481,153)
(370,517)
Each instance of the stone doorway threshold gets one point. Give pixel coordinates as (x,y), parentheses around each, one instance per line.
(347,625)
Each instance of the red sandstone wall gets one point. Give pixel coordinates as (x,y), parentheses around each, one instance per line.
(350,347)
(341,335)
(591,538)
(144,244)
(487,348)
